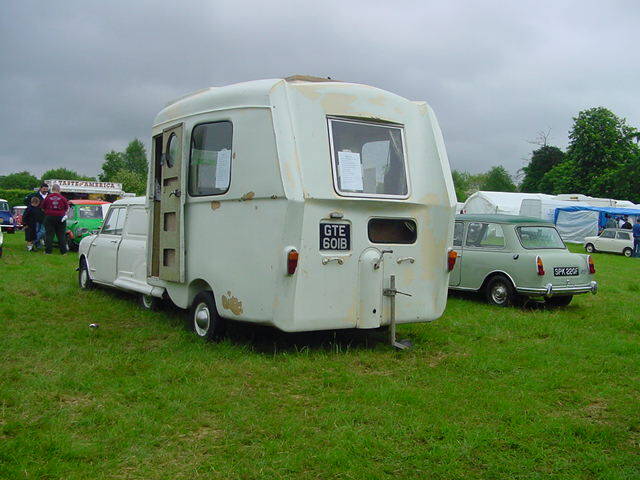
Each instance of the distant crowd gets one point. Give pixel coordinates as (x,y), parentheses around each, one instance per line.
(45,219)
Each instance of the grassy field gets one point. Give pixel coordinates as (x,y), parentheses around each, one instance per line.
(485,392)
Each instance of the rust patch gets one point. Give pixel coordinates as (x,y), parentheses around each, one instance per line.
(215,205)
(232,304)
(247,196)
(234,155)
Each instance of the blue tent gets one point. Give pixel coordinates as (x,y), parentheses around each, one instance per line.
(577,221)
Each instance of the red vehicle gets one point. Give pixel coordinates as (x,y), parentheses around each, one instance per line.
(17,213)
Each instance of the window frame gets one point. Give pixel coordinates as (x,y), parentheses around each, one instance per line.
(191,153)
(484,247)
(334,170)
(621,234)
(112,210)
(464,228)
(540,248)
(612,237)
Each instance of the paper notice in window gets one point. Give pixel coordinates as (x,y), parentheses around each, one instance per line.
(350,171)
(223,169)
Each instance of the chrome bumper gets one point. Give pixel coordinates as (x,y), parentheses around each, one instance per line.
(549,290)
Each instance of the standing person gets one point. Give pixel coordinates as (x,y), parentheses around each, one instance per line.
(32,219)
(626,225)
(40,194)
(611,223)
(55,208)
(636,238)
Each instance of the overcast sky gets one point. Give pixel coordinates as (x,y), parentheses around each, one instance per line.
(79,78)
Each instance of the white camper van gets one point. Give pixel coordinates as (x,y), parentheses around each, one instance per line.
(299,203)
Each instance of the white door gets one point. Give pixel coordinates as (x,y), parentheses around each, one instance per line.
(103,253)
(606,241)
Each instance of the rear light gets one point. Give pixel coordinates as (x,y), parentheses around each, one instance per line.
(592,266)
(540,266)
(292,262)
(451,259)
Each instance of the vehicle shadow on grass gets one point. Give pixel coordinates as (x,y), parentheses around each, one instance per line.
(524,304)
(270,340)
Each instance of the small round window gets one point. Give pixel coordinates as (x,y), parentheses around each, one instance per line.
(172,150)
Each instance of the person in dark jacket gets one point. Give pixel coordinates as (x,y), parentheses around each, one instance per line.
(32,219)
(55,208)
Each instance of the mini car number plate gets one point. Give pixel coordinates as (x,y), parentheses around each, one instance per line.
(335,236)
(565,271)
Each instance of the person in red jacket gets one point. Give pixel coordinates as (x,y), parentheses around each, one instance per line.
(55,208)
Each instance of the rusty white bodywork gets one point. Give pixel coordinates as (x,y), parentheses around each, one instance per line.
(282,187)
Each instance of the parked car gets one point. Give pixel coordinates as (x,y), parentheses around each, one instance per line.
(6,219)
(116,255)
(613,240)
(84,217)
(17,213)
(1,241)
(509,257)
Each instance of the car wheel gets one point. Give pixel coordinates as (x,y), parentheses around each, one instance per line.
(84,279)
(590,248)
(562,301)
(499,291)
(627,252)
(204,319)
(149,302)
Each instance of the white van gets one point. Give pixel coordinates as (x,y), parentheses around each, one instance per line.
(117,255)
(301,203)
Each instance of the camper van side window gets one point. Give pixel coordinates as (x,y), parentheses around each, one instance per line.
(210,159)
(368,159)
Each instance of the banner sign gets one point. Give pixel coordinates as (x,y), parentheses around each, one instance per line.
(87,186)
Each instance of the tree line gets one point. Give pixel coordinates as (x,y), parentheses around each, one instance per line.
(602,160)
(128,167)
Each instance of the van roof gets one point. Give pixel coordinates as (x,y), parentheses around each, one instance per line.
(130,201)
(87,202)
(254,94)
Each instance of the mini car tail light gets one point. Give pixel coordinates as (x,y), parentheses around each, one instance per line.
(452,255)
(540,266)
(592,266)
(292,262)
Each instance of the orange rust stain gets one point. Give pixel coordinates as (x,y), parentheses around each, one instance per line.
(247,196)
(380,100)
(232,304)
(215,205)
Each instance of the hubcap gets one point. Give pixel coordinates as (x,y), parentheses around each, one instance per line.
(499,293)
(147,301)
(627,253)
(202,319)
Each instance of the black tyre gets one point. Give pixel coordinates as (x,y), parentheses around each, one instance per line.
(84,279)
(499,291)
(627,252)
(590,248)
(562,301)
(204,320)
(149,302)
(71,245)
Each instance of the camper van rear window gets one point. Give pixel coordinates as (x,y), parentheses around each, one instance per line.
(210,159)
(368,159)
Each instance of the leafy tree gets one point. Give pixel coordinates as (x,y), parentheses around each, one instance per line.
(461,184)
(560,179)
(113,162)
(20,180)
(542,160)
(64,174)
(133,159)
(602,147)
(131,181)
(498,180)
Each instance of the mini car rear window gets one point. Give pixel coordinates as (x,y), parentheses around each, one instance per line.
(624,236)
(539,237)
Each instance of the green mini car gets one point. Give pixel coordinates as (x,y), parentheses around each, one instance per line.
(511,258)
(84,217)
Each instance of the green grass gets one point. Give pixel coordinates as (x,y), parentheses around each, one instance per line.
(485,393)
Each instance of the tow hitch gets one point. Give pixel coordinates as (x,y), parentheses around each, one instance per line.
(391,292)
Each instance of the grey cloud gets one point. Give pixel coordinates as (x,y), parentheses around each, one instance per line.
(79,78)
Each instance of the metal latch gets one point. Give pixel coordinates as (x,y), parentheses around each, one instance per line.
(176,193)
(376,265)
(392,292)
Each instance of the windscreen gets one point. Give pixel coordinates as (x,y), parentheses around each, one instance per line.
(90,211)
(4,206)
(368,158)
(540,237)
